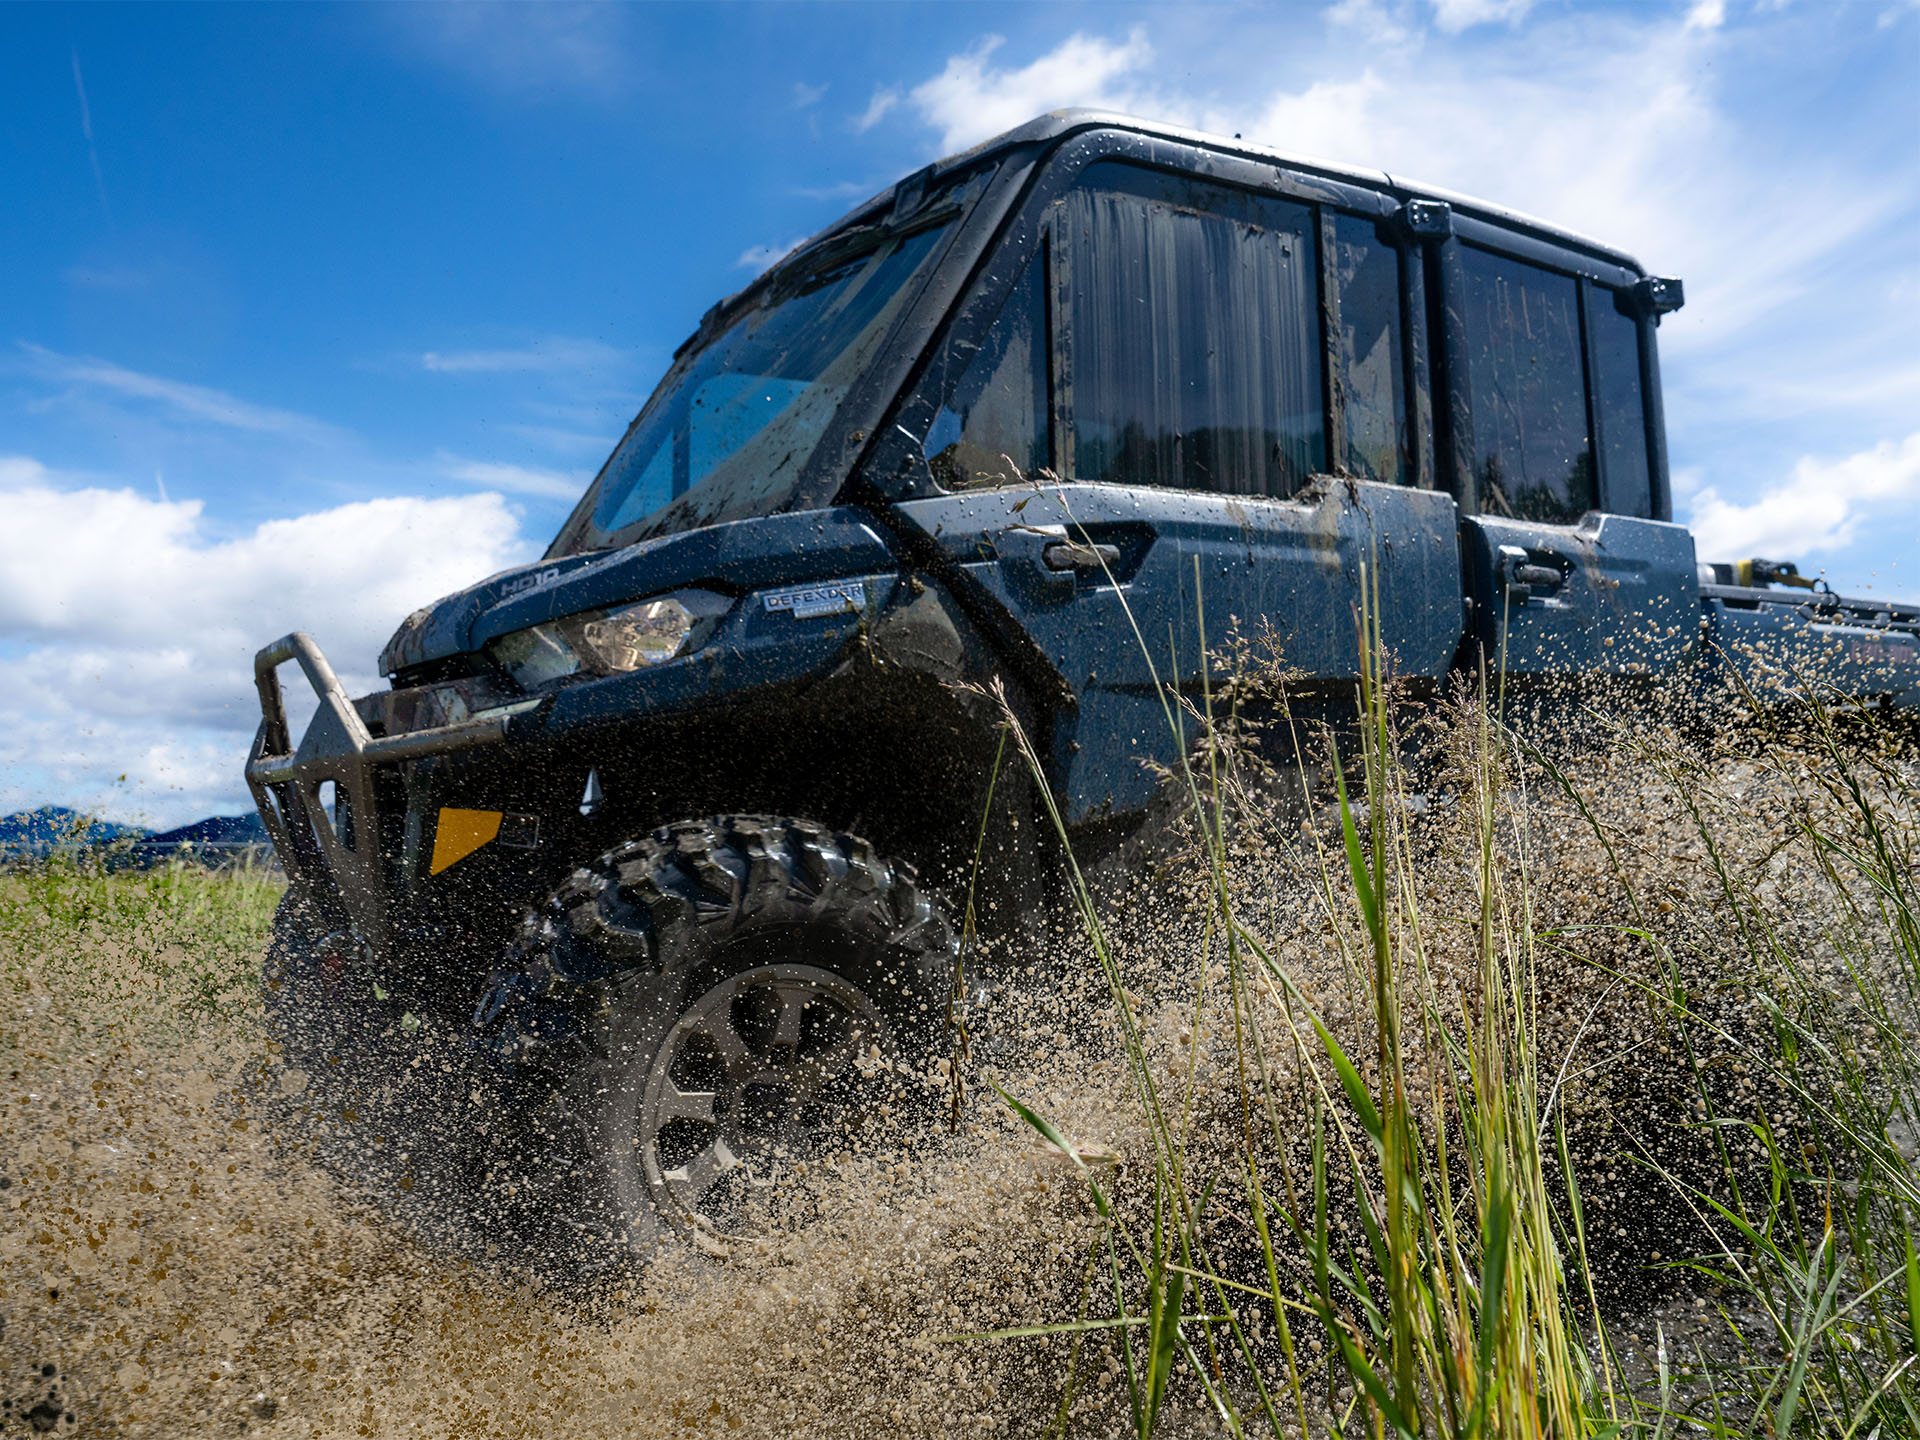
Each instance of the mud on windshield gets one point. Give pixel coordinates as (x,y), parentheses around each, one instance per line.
(729,434)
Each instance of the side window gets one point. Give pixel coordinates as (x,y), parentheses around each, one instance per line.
(1622,407)
(1370,351)
(992,425)
(1527,385)
(1192,346)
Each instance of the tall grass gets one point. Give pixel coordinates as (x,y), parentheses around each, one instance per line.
(187,938)
(1427,1268)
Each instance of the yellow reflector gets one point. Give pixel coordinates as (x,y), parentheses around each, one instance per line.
(459,834)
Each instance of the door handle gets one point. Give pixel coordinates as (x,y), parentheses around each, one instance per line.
(1048,563)
(1078,555)
(1524,576)
(1023,559)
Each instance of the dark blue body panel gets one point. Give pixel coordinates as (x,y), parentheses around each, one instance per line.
(1782,648)
(1612,595)
(1288,573)
(789,549)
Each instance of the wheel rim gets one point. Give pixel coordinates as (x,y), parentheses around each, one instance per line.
(755,1079)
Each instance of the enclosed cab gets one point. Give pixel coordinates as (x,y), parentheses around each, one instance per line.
(1034,427)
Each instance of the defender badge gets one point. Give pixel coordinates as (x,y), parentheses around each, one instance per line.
(809,602)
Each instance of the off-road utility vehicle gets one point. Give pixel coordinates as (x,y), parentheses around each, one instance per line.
(675,820)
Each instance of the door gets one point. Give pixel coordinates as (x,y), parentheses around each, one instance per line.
(1136,456)
(1567,571)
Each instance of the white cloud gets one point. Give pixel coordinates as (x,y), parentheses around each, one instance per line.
(57,751)
(177,397)
(1819,508)
(1330,119)
(807,96)
(971,99)
(130,625)
(515,479)
(760,257)
(1707,15)
(1453,16)
(878,108)
(1371,20)
(1785,387)
(101,565)
(523,49)
(555,353)
(1500,128)
(22,470)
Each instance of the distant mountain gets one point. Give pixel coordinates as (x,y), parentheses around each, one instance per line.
(53,825)
(244,829)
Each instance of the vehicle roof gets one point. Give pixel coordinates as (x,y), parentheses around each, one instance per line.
(1048,131)
(1058,125)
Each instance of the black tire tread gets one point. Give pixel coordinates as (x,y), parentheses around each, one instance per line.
(657,904)
(664,907)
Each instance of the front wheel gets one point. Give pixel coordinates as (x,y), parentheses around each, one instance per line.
(726,1008)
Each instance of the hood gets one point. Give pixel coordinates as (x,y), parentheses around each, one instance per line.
(733,558)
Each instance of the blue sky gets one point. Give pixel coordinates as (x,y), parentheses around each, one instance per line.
(315,313)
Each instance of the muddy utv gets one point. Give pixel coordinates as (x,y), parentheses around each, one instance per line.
(673,825)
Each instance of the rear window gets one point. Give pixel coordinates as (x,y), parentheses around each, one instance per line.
(1175,331)
(1622,407)
(1527,386)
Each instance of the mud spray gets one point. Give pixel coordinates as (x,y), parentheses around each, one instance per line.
(171,1266)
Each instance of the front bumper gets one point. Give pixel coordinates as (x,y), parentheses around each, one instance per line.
(318,800)
(366,810)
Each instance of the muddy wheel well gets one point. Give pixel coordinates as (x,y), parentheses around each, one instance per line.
(907,764)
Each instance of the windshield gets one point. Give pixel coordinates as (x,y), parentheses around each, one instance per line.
(729,437)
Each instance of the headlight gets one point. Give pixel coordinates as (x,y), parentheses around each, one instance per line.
(640,635)
(536,656)
(610,642)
